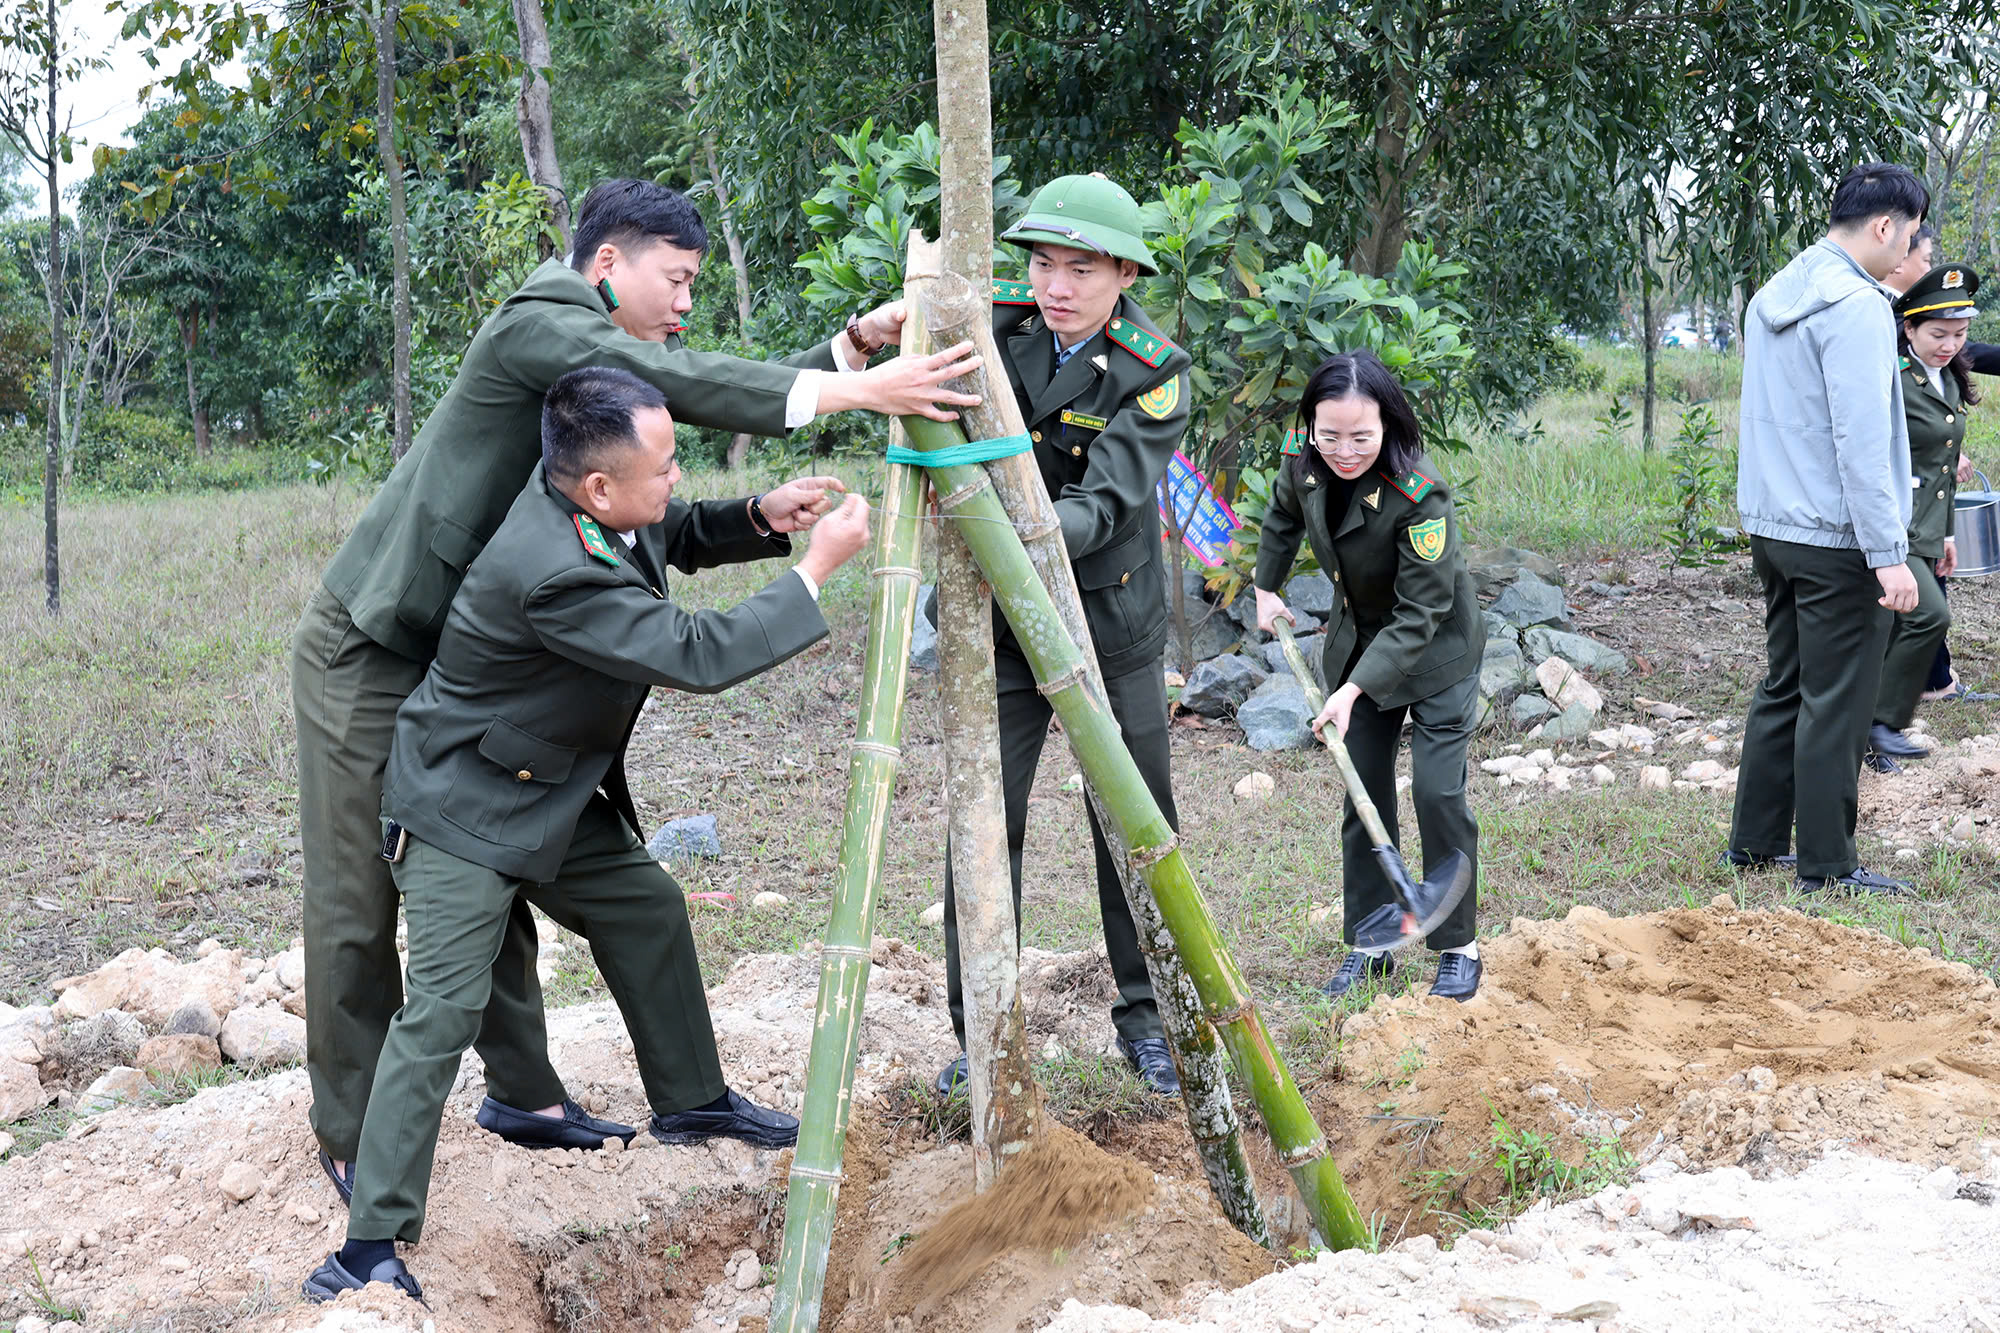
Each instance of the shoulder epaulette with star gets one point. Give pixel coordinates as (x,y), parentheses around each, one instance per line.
(1902,363)
(592,538)
(1414,485)
(1152,348)
(1295,442)
(1012,293)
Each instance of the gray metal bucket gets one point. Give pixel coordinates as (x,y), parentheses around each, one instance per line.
(1976,522)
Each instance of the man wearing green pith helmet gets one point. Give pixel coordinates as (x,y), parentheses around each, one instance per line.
(1105,397)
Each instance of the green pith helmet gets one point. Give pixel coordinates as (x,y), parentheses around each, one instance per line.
(1085,213)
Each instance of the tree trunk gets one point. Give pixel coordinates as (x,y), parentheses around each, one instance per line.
(52,460)
(387,14)
(739,445)
(1381,249)
(1006,1104)
(197,409)
(536,114)
(1649,337)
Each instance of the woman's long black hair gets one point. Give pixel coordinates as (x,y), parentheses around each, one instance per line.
(1960,366)
(1360,375)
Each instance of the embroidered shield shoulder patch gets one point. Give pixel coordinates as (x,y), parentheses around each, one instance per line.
(1427,539)
(1157,403)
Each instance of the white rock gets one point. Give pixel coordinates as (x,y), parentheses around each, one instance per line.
(934,915)
(1542,758)
(1602,776)
(6,1143)
(207,947)
(1964,830)
(1943,1183)
(1715,747)
(1610,738)
(1654,777)
(240,1181)
(1255,786)
(1505,763)
(769,901)
(748,1275)
(1703,770)
(291,968)
(1526,775)
(265,1034)
(118,1086)
(1074,782)
(21,1091)
(176,1263)
(1565,686)
(1907,854)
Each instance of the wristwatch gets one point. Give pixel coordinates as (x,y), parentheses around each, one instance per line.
(758,523)
(861,343)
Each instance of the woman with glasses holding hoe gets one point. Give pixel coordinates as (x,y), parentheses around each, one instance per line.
(1403,638)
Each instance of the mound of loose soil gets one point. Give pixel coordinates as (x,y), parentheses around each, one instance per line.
(1705,1037)
(1952,797)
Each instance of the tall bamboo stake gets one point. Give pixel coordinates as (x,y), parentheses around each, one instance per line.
(954,306)
(968,499)
(843,975)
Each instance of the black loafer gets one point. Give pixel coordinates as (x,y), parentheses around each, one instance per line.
(1458,977)
(344,1187)
(1155,1063)
(1357,966)
(757,1126)
(1887,740)
(575,1130)
(1880,763)
(1859,880)
(1734,860)
(330,1279)
(952,1077)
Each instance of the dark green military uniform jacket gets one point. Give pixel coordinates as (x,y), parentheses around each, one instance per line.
(1402,598)
(1937,433)
(398,569)
(1104,428)
(546,657)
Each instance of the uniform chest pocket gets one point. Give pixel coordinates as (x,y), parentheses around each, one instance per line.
(504,796)
(1123,590)
(440,569)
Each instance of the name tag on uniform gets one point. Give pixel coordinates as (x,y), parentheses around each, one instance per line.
(1070,418)
(1916,483)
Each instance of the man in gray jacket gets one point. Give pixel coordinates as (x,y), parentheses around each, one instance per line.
(1823,481)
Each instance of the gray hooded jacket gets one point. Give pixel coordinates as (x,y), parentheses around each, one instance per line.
(1824,454)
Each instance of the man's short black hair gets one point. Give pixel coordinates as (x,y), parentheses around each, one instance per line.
(587,417)
(633,215)
(1877,188)
(1924,233)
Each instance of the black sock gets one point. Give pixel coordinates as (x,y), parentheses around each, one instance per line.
(359,1257)
(719,1104)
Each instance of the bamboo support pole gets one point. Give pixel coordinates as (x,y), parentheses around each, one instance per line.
(968,499)
(957,310)
(843,980)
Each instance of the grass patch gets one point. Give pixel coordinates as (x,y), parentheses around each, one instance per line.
(1529,1166)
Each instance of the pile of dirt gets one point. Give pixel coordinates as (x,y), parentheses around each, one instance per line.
(1703,1037)
(1952,797)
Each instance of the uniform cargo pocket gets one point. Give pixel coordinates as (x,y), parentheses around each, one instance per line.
(440,569)
(506,799)
(1123,591)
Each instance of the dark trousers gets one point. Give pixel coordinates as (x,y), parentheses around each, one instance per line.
(612,892)
(1940,676)
(1139,701)
(1914,640)
(1824,632)
(1440,731)
(346,689)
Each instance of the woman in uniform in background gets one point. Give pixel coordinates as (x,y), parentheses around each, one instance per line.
(1935,312)
(1403,638)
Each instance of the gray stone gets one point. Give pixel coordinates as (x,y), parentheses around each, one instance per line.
(194,1017)
(119,1086)
(923,634)
(1530,709)
(1193,584)
(685,839)
(1503,672)
(1216,687)
(1603,589)
(265,1035)
(1575,721)
(1244,612)
(1311,593)
(1586,654)
(1275,716)
(1310,647)
(1529,601)
(1214,635)
(1494,567)
(1497,626)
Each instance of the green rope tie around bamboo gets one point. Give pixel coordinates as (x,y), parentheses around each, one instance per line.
(977,451)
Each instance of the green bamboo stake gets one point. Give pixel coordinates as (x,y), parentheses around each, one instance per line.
(967,498)
(843,975)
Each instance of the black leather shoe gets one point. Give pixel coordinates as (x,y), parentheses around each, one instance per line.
(1860,880)
(1734,860)
(575,1130)
(952,1077)
(1356,966)
(1155,1063)
(1887,740)
(343,1186)
(1880,763)
(1962,693)
(755,1125)
(1458,976)
(330,1279)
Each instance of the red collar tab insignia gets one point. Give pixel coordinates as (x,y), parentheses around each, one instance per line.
(592,538)
(1012,293)
(1415,486)
(1152,348)
(1295,442)
(676,330)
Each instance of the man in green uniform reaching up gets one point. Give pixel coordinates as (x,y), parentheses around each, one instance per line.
(1105,397)
(371,628)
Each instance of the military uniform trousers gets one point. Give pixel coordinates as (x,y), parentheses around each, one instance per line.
(1824,632)
(1914,640)
(1139,701)
(612,892)
(1441,727)
(346,689)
